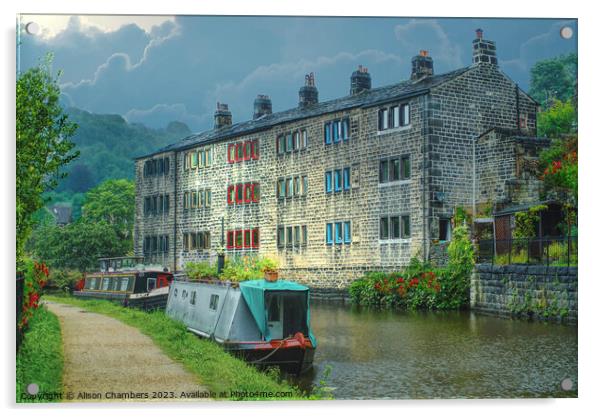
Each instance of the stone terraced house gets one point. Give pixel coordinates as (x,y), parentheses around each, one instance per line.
(335,188)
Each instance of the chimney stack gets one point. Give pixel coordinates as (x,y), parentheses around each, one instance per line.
(223,117)
(308,94)
(262,106)
(483,51)
(360,81)
(422,66)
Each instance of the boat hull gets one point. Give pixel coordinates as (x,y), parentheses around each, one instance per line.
(292,358)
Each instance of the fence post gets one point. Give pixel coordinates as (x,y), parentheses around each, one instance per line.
(568,246)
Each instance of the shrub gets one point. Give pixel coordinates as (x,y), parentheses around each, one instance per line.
(200,270)
(64,279)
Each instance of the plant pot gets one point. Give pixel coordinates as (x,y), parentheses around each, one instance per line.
(271,276)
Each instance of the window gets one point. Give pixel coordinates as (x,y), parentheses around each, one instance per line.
(329,240)
(296,185)
(395,227)
(194,199)
(345,129)
(304,139)
(384,227)
(394,169)
(280,145)
(125,282)
(230,239)
(213,302)
(194,160)
(289,187)
(255,238)
(338,180)
(328,181)
(327,136)
(304,185)
(336,131)
(186,200)
(185,241)
(297,238)
(394,117)
(238,239)
(289,142)
(347,232)
(239,193)
(289,236)
(444,229)
(193,297)
(202,159)
(166,166)
(281,190)
(209,156)
(280,237)
(208,198)
(296,140)
(255,149)
(255,192)
(248,192)
(151,283)
(346,179)
(304,235)
(105,283)
(231,195)
(338,232)
(201,198)
(247,150)
(247,239)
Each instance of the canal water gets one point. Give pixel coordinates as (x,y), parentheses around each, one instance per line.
(402,355)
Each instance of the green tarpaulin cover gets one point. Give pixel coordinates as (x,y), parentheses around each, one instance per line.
(254,293)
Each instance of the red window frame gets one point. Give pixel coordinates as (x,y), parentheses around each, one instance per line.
(229,196)
(248,192)
(237,156)
(230,147)
(255,238)
(237,244)
(255,149)
(255,196)
(230,239)
(239,196)
(247,150)
(246,238)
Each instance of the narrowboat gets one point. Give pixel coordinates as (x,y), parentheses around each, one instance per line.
(127,281)
(265,323)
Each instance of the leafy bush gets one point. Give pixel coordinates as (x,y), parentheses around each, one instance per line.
(200,270)
(243,268)
(64,279)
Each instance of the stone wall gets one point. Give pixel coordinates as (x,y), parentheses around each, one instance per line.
(532,291)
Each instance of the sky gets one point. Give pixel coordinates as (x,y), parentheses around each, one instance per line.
(156,69)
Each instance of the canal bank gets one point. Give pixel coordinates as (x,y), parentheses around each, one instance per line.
(452,354)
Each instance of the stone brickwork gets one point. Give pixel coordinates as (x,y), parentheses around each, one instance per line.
(445,120)
(531,291)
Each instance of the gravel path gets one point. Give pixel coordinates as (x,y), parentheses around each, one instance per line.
(106,358)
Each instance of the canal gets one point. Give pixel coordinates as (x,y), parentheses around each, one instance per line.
(402,355)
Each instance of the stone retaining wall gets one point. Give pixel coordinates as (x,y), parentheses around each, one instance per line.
(533,291)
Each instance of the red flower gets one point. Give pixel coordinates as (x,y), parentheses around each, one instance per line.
(400,280)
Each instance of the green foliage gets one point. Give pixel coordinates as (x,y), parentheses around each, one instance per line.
(455,281)
(108,143)
(558,120)
(527,221)
(43,144)
(113,202)
(77,245)
(559,166)
(217,369)
(64,279)
(461,216)
(554,78)
(241,268)
(200,270)
(40,357)
(267,264)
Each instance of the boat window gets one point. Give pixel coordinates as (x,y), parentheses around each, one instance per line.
(193,297)
(274,311)
(175,292)
(150,284)
(91,284)
(213,301)
(115,284)
(124,284)
(105,283)
(184,293)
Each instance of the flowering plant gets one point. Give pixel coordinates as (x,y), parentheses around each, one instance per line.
(36,278)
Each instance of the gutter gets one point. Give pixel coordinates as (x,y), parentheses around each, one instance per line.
(175,209)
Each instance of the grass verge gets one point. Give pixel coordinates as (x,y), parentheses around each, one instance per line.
(216,369)
(40,359)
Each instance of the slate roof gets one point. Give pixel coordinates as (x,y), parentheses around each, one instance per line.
(373,97)
(62,214)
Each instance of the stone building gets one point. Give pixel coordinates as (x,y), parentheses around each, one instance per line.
(335,188)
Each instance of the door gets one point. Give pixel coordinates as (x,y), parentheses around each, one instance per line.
(275,315)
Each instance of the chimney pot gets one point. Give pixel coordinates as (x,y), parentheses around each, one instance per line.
(483,51)
(422,66)
(262,106)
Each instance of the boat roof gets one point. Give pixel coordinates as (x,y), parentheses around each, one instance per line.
(280,285)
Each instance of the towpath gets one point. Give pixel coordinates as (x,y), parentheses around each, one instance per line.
(116,362)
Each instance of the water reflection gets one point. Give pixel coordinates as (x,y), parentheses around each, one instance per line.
(384,354)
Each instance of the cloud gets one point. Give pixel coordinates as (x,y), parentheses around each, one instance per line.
(429,35)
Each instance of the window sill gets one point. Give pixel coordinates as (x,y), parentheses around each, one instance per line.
(394,183)
(393,241)
(394,130)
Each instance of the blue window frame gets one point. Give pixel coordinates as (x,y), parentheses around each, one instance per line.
(327,137)
(338,180)
(329,233)
(345,129)
(328,181)
(335,131)
(338,232)
(347,232)
(346,178)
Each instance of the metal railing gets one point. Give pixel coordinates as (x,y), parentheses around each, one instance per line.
(554,251)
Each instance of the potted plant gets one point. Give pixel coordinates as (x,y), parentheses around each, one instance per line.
(269,267)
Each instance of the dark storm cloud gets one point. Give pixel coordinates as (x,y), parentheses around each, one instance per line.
(180,69)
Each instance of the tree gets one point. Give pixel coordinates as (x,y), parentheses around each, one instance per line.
(558,120)
(43,145)
(113,202)
(554,79)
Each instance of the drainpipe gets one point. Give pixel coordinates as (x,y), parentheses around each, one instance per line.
(175,209)
(424,179)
